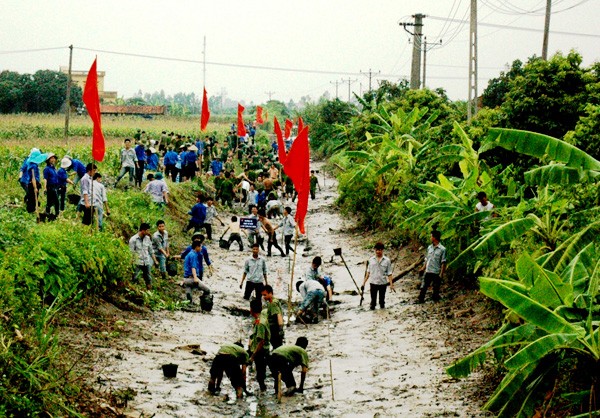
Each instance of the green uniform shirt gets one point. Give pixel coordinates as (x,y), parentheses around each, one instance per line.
(313,183)
(260,332)
(227,188)
(293,354)
(272,310)
(238,353)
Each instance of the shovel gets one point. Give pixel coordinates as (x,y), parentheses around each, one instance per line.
(338,251)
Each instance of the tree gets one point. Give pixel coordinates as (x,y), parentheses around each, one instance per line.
(13,92)
(493,95)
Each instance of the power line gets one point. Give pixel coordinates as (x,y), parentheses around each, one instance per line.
(521,28)
(20,51)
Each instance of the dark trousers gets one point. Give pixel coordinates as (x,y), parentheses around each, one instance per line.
(260,361)
(62,195)
(191,225)
(276,336)
(312,194)
(139,173)
(252,286)
(237,238)
(273,243)
(52,200)
(171,170)
(208,228)
(288,244)
(229,365)
(278,364)
(145,272)
(427,280)
(378,288)
(30,198)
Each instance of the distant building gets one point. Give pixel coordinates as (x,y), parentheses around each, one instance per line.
(80,77)
(148,111)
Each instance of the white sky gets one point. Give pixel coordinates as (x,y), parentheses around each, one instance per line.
(329,35)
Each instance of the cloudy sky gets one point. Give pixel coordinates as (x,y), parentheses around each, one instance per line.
(317,42)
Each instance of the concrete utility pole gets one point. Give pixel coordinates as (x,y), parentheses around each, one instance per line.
(415,69)
(425,58)
(546,30)
(270,94)
(350,81)
(204,64)
(370,75)
(337,83)
(68,101)
(472,99)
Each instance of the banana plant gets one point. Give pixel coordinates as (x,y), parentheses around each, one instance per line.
(552,323)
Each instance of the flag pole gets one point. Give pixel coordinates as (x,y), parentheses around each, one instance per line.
(292,276)
(92,196)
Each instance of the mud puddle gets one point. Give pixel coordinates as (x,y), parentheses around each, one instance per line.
(386,362)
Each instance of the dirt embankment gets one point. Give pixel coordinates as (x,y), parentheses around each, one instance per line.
(386,362)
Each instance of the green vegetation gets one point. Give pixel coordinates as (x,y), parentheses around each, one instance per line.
(407,162)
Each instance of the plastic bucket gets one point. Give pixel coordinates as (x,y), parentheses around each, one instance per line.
(169,370)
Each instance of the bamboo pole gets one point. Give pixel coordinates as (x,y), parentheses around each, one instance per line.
(35,195)
(331,379)
(279,387)
(292,276)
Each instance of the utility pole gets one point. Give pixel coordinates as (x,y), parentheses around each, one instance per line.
(425,57)
(415,69)
(204,64)
(370,75)
(68,101)
(546,30)
(472,99)
(337,83)
(270,94)
(350,81)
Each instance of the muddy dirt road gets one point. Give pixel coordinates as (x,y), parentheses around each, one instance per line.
(385,362)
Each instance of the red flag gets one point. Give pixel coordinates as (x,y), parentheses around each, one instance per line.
(297,167)
(280,144)
(266,114)
(205,112)
(300,124)
(241,129)
(288,128)
(259,117)
(92,103)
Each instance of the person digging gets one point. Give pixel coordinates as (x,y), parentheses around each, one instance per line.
(231,359)
(284,360)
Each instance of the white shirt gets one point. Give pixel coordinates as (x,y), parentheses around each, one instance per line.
(99,194)
(480,208)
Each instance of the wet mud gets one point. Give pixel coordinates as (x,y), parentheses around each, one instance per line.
(385,362)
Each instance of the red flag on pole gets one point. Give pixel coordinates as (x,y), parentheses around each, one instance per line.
(259,117)
(288,128)
(205,112)
(241,129)
(297,167)
(92,103)
(300,124)
(280,144)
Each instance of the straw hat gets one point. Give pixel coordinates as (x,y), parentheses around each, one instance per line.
(50,155)
(65,163)
(192,148)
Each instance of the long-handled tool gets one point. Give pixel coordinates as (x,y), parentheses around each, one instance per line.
(338,251)
(362,296)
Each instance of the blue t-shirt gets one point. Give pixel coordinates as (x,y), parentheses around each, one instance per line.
(170,158)
(202,255)
(191,261)
(198,213)
(78,167)
(140,152)
(216,167)
(152,163)
(190,158)
(62,176)
(200,146)
(36,172)
(51,176)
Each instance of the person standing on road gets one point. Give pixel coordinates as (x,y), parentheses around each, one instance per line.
(191,271)
(141,246)
(129,162)
(272,236)
(288,225)
(211,213)
(379,272)
(284,359)
(255,273)
(231,359)
(274,314)
(198,213)
(160,246)
(259,342)
(434,267)
(314,183)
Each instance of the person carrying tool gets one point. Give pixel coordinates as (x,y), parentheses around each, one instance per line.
(231,359)
(379,271)
(284,359)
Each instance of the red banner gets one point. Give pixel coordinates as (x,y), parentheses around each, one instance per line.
(259,117)
(241,129)
(92,103)
(288,128)
(297,167)
(205,112)
(280,144)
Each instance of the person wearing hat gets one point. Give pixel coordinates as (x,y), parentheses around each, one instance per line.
(190,159)
(158,190)
(78,167)
(32,178)
(50,186)
(24,174)
(63,179)
(129,162)
(140,153)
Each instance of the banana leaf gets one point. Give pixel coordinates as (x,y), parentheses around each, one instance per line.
(542,146)
(503,234)
(546,286)
(555,174)
(560,258)
(527,308)
(533,352)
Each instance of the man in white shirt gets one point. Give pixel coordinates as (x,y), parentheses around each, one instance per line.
(100,202)
(484,204)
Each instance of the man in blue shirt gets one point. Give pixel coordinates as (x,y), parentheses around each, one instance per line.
(191,268)
(189,163)
(51,187)
(78,167)
(202,255)
(140,152)
(198,213)
(170,162)
(216,166)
